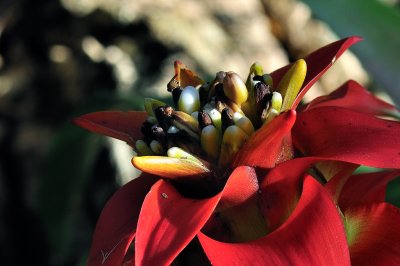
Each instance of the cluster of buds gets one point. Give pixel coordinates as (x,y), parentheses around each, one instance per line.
(210,121)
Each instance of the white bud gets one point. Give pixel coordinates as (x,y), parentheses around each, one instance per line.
(189,100)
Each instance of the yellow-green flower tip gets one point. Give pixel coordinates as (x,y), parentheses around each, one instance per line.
(256,69)
(291,83)
(156,147)
(176,152)
(168,167)
(234,88)
(150,104)
(276,101)
(216,118)
(142,148)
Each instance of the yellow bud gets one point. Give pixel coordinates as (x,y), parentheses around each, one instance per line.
(291,83)
(234,88)
(211,141)
(245,124)
(233,139)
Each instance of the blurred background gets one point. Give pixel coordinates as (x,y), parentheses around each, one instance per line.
(63,58)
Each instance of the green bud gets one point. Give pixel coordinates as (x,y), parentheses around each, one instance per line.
(142,148)
(256,69)
(268,79)
(216,118)
(151,104)
(291,83)
(152,120)
(156,147)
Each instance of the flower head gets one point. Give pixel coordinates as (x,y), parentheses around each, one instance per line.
(238,176)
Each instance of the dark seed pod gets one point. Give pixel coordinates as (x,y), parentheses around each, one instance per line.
(163,115)
(203,93)
(176,93)
(158,133)
(258,78)
(146,128)
(173,84)
(226,118)
(262,95)
(204,119)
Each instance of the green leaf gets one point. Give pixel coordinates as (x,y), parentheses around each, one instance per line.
(393,192)
(65,176)
(378,24)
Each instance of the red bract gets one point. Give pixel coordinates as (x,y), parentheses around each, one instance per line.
(289,196)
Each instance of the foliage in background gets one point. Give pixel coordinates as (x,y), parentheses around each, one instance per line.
(378,24)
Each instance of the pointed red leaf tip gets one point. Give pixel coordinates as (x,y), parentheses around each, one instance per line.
(116,226)
(353,96)
(366,188)
(313,235)
(318,63)
(167,223)
(116,124)
(340,134)
(373,233)
(269,145)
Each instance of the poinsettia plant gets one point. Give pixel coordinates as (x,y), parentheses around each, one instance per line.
(241,173)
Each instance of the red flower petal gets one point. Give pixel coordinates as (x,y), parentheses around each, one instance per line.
(237,217)
(346,135)
(116,226)
(313,235)
(281,189)
(338,180)
(373,234)
(167,223)
(116,124)
(317,64)
(353,96)
(269,145)
(366,188)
